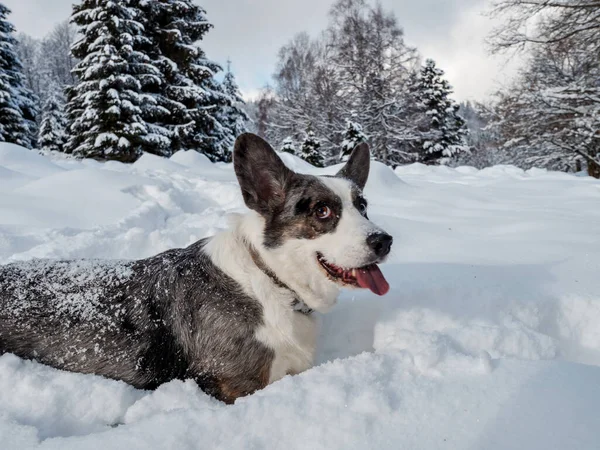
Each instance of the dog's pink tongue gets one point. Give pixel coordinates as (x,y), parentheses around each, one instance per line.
(370,277)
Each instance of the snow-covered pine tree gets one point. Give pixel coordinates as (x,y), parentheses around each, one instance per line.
(288,145)
(309,151)
(190,96)
(353,135)
(17,103)
(446,137)
(211,133)
(52,132)
(28,54)
(29,108)
(232,117)
(105,107)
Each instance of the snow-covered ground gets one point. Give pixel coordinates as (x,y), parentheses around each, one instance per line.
(488,339)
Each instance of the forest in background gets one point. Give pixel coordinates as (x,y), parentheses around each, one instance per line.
(104,84)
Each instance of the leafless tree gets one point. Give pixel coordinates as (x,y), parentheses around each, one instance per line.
(551,114)
(358,69)
(28,50)
(58,62)
(526,22)
(48,62)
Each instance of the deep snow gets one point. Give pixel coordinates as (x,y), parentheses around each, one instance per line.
(488,339)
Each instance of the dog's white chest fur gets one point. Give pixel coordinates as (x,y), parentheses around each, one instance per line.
(290,334)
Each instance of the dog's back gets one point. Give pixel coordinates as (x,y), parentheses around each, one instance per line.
(144,322)
(69,314)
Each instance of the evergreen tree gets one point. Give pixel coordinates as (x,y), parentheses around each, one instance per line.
(211,133)
(288,146)
(309,151)
(447,129)
(52,132)
(17,103)
(105,108)
(353,135)
(232,118)
(30,110)
(190,99)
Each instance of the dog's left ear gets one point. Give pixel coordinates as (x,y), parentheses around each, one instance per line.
(357,167)
(262,175)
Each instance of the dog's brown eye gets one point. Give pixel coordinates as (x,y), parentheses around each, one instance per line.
(323,212)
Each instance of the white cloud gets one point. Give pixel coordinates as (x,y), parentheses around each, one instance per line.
(250,32)
(471,69)
(37,17)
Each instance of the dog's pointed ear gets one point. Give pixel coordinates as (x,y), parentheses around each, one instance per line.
(261,173)
(357,167)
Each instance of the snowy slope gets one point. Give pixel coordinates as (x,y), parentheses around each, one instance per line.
(488,339)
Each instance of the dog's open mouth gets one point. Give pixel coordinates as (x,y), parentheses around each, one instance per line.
(368,277)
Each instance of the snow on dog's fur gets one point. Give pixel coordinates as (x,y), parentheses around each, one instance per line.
(233,311)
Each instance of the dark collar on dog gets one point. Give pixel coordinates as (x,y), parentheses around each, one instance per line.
(297,304)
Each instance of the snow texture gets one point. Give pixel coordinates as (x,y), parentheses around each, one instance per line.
(488,339)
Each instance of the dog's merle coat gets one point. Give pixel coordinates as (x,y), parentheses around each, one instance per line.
(144,322)
(198,313)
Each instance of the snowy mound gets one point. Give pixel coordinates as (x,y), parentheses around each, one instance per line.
(382,178)
(149,161)
(31,164)
(11,179)
(190,158)
(298,164)
(200,164)
(488,338)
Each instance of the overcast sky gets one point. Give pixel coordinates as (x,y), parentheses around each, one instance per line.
(250,32)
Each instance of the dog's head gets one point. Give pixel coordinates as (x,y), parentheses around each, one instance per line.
(316,229)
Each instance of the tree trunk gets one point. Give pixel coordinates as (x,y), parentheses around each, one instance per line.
(593,168)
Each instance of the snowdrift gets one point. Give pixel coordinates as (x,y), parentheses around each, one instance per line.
(488,339)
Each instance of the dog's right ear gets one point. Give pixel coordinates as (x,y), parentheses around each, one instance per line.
(357,167)
(261,174)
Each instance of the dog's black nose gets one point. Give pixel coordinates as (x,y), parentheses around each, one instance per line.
(381,243)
